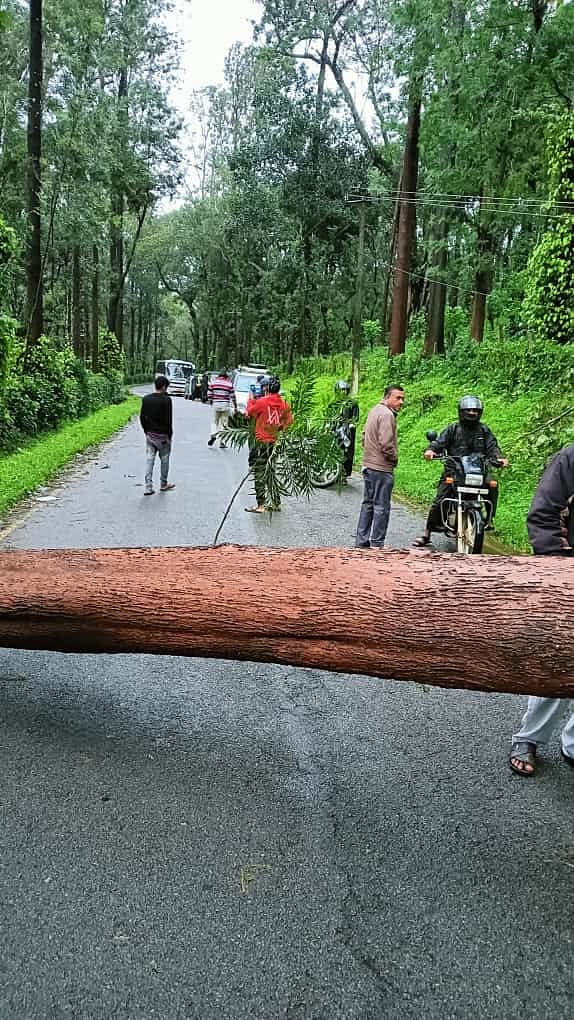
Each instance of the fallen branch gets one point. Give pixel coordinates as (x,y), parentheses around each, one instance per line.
(490,623)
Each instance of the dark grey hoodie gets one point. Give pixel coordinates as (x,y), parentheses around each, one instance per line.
(550,519)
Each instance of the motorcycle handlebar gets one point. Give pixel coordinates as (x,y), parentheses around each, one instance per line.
(444,456)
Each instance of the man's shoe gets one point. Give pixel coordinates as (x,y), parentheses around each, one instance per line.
(211,441)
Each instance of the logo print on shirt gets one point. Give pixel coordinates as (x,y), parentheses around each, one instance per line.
(273,416)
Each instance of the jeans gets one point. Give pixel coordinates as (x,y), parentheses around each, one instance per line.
(375,509)
(543,716)
(163,448)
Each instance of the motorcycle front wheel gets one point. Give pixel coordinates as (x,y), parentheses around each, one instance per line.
(471,540)
(327,478)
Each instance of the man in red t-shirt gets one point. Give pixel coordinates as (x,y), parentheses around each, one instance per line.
(272,415)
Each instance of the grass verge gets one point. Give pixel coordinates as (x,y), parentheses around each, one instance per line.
(22,472)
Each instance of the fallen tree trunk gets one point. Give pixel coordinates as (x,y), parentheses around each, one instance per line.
(490,623)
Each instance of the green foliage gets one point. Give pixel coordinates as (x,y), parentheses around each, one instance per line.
(8,346)
(548,304)
(111,357)
(9,249)
(371,331)
(302,451)
(524,384)
(22,472)
(54,388)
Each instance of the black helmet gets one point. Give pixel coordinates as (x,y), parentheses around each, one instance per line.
(274,384)
(472,404)
(342,386)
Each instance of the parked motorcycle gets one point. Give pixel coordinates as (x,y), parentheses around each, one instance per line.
(336,472)
(469,510)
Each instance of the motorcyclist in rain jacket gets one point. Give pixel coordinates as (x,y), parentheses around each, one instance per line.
(465,436)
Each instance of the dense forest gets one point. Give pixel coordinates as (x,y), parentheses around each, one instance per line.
(365,165)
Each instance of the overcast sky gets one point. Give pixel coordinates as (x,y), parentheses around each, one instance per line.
(207,29)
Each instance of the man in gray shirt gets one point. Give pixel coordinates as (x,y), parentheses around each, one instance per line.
(380,457)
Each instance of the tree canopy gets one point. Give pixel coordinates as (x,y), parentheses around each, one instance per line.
(361,163)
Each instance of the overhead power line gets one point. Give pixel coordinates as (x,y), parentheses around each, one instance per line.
(497,206)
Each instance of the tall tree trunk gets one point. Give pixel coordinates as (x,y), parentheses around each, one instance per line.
(434,339)
(482,282)
(117,207)
(385,318)
(406,228)
(342,610)
(76,302)
(358,305)
(95,306)
(35,298)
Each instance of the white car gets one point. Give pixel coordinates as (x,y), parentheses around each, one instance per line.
(243,379)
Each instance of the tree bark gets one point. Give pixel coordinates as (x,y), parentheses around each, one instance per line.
(434,339)
(358,306)
(76,302)
(117,208)
(406,230)
(95,303)
(35,299)
(480,622)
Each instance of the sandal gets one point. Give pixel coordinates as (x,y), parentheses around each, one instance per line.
(254,509)
(167,488)
(421,541)
(525,752)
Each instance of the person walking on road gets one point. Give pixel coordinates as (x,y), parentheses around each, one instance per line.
(272,414)
(550,524)
(156,419)
(221,396)
(380,458)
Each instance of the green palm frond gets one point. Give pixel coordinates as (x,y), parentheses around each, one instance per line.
(302,452)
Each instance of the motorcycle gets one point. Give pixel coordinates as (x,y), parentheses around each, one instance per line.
(335,472)
(468,511)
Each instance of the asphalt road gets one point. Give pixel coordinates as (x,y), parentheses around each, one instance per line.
(198,839)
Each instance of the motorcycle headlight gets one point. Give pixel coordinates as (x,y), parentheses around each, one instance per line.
(473,479)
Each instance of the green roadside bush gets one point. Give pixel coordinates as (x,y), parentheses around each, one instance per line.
(51,385)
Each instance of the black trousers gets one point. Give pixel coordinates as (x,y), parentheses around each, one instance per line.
(349,455)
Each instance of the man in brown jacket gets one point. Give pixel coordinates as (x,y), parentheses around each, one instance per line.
(380,457)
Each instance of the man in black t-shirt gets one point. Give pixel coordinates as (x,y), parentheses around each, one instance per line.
(156,421)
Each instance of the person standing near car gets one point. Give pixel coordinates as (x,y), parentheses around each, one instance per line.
(156,419)
(380,458)
(221,396)
(272,414)
(550,524)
